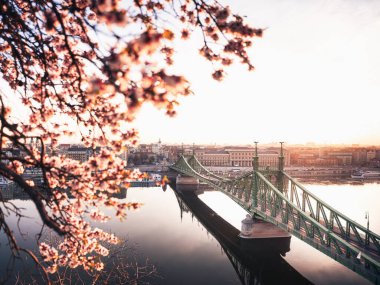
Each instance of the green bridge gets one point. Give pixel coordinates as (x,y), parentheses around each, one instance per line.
(280,199)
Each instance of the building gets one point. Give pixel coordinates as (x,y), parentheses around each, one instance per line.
(242,157)
(173,153)
(371,154)
(34,174)
(144,148)
(5,188)
(157,147)
(359,157)
(213,157)
(79,153)
(238,157)
(342,158)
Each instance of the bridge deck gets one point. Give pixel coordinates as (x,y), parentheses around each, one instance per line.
(366,250)
(293,208)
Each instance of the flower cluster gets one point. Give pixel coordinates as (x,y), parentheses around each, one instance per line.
(84,68)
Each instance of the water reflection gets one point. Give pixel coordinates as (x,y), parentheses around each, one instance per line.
(259,263)
(185,253)
(182,250)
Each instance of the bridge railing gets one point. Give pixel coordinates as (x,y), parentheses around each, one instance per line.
(292,210)
(330,217)
(276,207)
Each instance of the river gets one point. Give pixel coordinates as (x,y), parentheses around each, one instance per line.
(184,251)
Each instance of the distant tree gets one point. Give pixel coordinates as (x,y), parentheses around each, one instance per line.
(160,158)
(83,68)
(137,159)
(144,158)
(151,160)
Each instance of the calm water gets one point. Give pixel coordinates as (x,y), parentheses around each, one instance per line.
(184,251)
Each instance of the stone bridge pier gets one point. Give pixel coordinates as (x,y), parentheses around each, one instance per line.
(187,183)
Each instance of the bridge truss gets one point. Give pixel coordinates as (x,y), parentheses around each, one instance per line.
(280,199)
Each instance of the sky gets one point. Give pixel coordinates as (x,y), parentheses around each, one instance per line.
(316,79)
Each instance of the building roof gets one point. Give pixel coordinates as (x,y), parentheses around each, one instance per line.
(216,152)
(76,148)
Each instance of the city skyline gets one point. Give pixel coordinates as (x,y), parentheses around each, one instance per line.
(327,51)
(264,144)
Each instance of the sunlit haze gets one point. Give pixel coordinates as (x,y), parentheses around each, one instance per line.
(316,79)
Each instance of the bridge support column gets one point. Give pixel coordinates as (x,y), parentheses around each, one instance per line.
(187,183)
(280,174)
(255,182)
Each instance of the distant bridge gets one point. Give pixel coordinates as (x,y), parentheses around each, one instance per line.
(278,198)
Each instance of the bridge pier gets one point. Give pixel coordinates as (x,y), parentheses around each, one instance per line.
(187,183)
(262,233)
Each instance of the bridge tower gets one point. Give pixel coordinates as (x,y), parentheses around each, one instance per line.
(280,174)
(181,152)
(255,181)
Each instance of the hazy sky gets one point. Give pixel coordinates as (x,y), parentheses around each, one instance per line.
(317,78)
